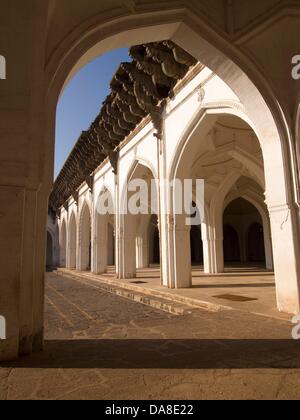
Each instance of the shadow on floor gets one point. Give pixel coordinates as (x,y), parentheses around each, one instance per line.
(165,354)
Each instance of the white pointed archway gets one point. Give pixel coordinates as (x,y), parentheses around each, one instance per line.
(256,201)
(104,243)
(133,241)
(178,233)
(267,119)
(184,24)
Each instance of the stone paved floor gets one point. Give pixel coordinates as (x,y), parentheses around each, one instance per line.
(258,286)
(100,346)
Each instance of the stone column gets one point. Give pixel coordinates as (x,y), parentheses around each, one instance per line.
(180,266)
(142,251)
(72,246)
(25,168)
(23,217)
(118,231)
(164,223)
(217,243)
(63,245)
(28,273)
(127,247)
(68,247)
(139,253)
(12,201)
(218,255)
(268,245)
(207,262)
(39,279)
(119,247)
(78,243)
(286,258)
(182,251)
(100,246)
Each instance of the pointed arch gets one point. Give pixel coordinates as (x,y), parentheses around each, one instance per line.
(104,238)
(133,249)
(259,204)
(186,27)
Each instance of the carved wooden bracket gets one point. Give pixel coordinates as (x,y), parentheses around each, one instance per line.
(75,196)
(157,117)
(137,89)
(52,214)
(58,213)
(114,161)
(90,182)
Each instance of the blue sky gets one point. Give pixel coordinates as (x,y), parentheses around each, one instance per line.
(81,102)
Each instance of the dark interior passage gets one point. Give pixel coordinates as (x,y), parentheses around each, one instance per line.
(255,243)
(154,241)
(243,234)
(196,245)
(231,245)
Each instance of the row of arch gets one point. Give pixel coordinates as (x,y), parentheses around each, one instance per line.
(277,180)
(237,249)
(76,241)
(127,236)
(243,241)
(90,35)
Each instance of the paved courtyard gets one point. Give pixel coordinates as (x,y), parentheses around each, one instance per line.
(101,346)
(255,287)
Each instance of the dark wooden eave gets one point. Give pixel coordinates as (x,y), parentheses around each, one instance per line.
(137,91)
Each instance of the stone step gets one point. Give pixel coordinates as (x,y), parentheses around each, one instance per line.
(171,300)
(137,296)
(111,269)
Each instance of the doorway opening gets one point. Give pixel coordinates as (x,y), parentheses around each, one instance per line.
(244,243)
